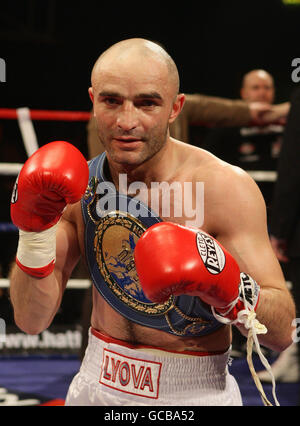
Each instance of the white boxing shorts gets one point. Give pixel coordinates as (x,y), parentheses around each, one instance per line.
(114,373)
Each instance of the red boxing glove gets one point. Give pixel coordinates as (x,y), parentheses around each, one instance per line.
(173,259)
(54,176)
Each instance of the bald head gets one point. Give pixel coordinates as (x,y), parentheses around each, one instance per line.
(254,74)
(135,97)
(258,86)
(137,51)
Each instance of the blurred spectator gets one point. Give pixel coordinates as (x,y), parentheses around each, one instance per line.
(258,86)
(285,229)
(253,148)
(285,221)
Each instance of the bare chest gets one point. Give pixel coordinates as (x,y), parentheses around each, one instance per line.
(177,200)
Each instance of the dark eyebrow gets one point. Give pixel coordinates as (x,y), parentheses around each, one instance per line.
(110,94)
(151,95)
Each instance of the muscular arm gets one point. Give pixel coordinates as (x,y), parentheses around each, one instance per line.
(202,110)
(36,300)
(222,112)
(242,230)
(209,110)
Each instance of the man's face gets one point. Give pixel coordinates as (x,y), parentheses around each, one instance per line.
(258,87)
(133,106)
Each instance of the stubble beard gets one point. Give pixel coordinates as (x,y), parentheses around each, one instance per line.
(152,144)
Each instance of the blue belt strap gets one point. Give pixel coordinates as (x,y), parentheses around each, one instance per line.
(111,232)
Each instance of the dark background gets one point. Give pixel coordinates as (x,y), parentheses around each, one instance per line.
(50,46)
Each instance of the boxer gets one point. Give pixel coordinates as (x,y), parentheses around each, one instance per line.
(165,294)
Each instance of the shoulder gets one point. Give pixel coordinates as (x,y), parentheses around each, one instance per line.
(220,178)
(232,198)
(207,166)
(225,185)
(204,164)
(193,157)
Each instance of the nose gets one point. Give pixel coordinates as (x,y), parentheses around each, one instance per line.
(264,92)
(128,117)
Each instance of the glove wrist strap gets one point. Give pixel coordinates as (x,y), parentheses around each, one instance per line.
(247,299)
(36,252)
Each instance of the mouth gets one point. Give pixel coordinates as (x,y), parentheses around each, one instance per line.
(128,142)
(127,139)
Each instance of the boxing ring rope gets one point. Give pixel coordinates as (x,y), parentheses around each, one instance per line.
(77,284)
(10,169)
(46,115)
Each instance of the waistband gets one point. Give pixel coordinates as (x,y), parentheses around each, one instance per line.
(151,349)
(145,372)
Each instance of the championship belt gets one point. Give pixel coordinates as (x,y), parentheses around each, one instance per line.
(111,233)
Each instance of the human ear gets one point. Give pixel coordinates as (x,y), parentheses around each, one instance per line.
(177,107)
(91,94)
